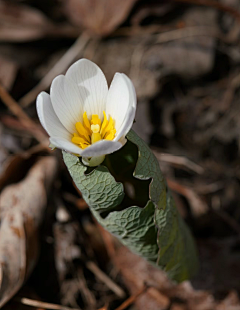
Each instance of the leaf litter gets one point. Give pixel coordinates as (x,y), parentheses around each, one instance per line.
(184,60)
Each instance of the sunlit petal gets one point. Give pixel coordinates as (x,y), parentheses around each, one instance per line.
(93,85)
(118,100)
(48,117)
(130,115)
(67,102)
(65,145)
(102,147)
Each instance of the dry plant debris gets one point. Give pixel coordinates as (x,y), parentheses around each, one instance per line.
(184,59)
(100,17)
(22,208)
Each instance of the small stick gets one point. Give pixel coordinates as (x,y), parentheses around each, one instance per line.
(198,206)
(87,295)
(216,5)
(21,115)
(105,279)
(45,305)
(63,63)
(104,308)
(131,299)
(179,161)
(191,31)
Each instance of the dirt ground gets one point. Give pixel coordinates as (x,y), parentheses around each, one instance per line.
(183,57)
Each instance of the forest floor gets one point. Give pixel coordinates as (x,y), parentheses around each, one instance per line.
(184,60)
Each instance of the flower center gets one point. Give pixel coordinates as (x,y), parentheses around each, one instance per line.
(89,132)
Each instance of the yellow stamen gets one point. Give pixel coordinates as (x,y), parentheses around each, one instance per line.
(108,128)
(105,122)
(94,131)
(78,140)
(82,131)
(110,135)
(83,145)
(86,123)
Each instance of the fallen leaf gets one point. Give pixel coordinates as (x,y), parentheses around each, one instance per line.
(137,272)
(22,207)
(20,22)
(14,167)
(101,17)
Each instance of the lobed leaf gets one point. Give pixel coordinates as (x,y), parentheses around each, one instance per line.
(155,232)
(98,188)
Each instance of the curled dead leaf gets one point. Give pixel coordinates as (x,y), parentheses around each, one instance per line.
(22,207)
(100,17)
(19,23)
(161,291)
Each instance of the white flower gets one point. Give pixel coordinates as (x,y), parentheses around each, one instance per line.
(84,117)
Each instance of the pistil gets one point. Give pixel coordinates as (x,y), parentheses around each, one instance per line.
(96,136)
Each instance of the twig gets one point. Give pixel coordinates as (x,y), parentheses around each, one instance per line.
(229,93)
(186,32)
(86,294)
(136,59)
(141,31)
(165,37)
(219,126)
(216,5)
(198,206)
(105,279)
(104,307)
(57,69)
(206,189)
(131,299)
(179,161)
(41,304)
(21,115)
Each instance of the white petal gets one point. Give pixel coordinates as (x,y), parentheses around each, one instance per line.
(48,117)
(90,78)
(130,114)
(67,102)
(118,100)
(65,145)
(102,147)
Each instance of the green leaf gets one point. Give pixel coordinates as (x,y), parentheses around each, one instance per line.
(177,253)
(99,189)
(148,168)
(156,231)
(135,228)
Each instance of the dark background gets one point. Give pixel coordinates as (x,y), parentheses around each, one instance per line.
(184,59)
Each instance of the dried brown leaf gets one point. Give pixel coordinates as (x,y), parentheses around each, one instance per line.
(14,167)
(22,207)
(100,17)
(137,272)
(20,22)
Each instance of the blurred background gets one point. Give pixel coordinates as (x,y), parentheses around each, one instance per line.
(183,57)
